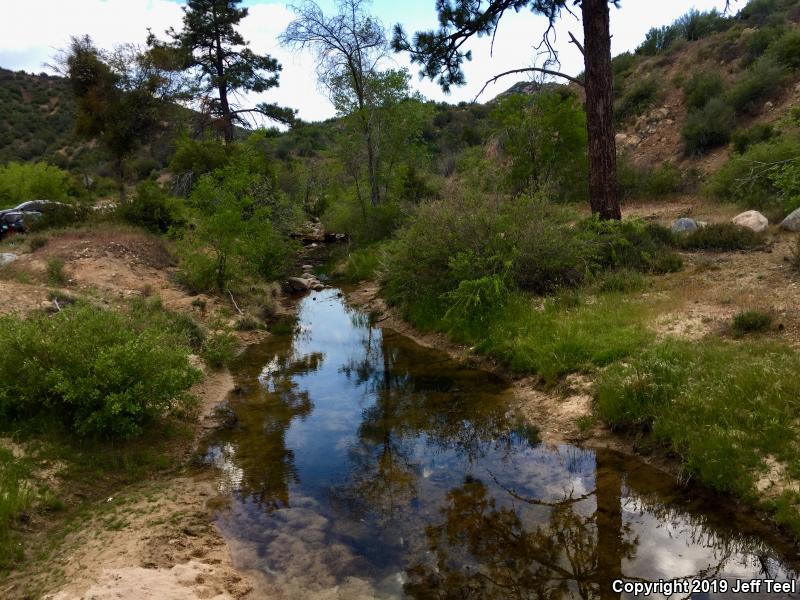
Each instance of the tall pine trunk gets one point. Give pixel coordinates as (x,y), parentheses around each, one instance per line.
(603,194)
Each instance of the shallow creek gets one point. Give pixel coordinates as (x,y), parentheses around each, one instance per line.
(365,466)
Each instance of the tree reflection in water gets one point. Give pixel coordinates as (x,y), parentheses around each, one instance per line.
(410,464)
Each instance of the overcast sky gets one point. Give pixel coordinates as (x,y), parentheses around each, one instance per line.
(30,34)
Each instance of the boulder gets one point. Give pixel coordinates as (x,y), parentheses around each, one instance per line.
(7,257)
(620,138)
(308,276)
(298,284)
(318,287)
(307,267)
(792,222)
(751,219)
(684,225)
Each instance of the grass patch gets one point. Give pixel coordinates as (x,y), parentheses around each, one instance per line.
(622,280)
(16,496)
(722,237)
(550,337)
(722,406)
(751,321)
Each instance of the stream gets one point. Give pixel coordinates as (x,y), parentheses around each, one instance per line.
(363,465)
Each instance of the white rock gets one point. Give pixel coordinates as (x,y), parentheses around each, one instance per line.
(792,222)
(7,257)
(752,219)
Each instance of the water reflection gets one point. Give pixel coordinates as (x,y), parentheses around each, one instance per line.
(366,466)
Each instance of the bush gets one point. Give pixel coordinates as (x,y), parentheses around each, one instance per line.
(634,245)
(786,49)
(198,156)
(744,138)
(786,179)
(526,243)
(219,350)
(701,88)
(363,263)
(750,321)
(94,372)
(708,127)
(725,237)
(55,272)
(20,182)
(762,80)
(152,209)
(662,181)
(749,178)
(641,95)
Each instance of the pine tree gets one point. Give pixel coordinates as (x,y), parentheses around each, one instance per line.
(223,64)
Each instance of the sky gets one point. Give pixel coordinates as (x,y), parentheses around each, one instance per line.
(31,33)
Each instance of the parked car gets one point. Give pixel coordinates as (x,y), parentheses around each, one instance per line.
(19,221)
(20,218)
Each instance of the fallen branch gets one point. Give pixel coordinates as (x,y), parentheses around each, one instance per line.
(234,303)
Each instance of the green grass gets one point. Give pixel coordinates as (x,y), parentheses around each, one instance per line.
(550,337)
(16,496)
(722,406)
(55,272)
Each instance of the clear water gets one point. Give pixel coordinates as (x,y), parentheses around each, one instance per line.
(366,466)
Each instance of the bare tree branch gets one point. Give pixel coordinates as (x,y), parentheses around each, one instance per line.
(577,43)
(528,70)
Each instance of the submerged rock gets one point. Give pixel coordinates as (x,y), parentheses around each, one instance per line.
(684,225)
(792,222)
(751,219)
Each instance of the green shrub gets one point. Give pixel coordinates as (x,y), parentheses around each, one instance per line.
(638,98)
(751,321)
(761,81)
(663,181)
(749,178)
(758,133)
(721,406)
(37,242)
(708,127)
(725,237)
(701,88)
(55,272)
(94,372)
(219,349)
(629,244)
(20,182)
(363,263)
(786,49)
(786,179)
(198,157)
(151,208)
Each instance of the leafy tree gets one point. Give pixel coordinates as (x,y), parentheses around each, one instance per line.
(221,63)
(118,98)
(349,47)
(441,55)
(545,138)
